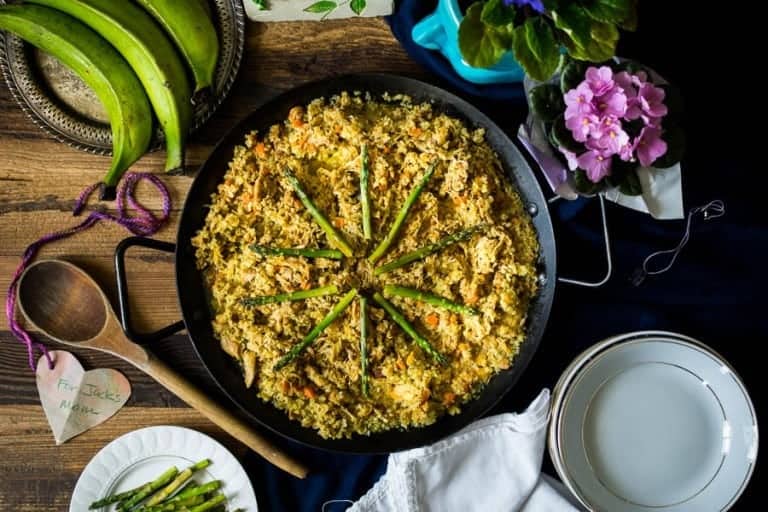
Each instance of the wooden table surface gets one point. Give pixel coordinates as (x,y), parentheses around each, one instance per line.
(39,181)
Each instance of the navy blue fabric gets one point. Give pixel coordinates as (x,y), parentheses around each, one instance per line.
(716,291)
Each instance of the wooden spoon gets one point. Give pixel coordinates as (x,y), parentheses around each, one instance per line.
(66,304)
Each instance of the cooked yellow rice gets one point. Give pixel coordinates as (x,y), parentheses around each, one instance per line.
(494,271)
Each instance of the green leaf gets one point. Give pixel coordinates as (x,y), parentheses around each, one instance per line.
(546,102)
(261,4)
(674,136)
(673,99)
(631,184)
(481,45)
(536,49)
(596,50)
(572,19)
(563,137)
(323,6)
(357,6)
(496,14)
(572,75)
(608,11)
(583,184)
(630,22)
(605,33)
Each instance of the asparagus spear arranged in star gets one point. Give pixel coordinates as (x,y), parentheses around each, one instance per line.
(364,346)
(332,254)
(400,320)
(292,296)
(401,215)
(435,300)
(315,332)
(365,199)
(211,503)
(333,235)
(423,252)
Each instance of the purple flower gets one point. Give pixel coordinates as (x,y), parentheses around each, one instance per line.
(536,5)
(627,84)
(612,103)
(651,100)
(596,164)
(609,137)
(649,145)
(600,80)
(579,101)
(582,125)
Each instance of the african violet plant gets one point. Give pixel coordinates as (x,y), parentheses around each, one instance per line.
(536,31)
(607,121)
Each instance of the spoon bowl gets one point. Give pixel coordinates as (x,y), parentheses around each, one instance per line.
(62,301)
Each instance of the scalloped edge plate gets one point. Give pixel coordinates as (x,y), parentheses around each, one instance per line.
(140,456)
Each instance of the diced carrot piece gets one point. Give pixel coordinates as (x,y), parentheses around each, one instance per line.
(339,222)
(449,398)
(260,149)
(415,131)
(401,364)
(309,392)
(433,319)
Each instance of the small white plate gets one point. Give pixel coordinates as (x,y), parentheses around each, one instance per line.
(142,455)
(655,423)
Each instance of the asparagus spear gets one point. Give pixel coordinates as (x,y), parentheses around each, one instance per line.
(182,477)
(114,498)
(219,498)
(423,252)
(435,300)
(365,199)
(401,215)
(332,254)
(173,506)
(197,491)
(147,489)
(335,238)
(315,332)
(400,320)
(292,296)
(364,346)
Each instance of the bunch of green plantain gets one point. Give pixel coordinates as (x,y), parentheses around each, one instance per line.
(133,56)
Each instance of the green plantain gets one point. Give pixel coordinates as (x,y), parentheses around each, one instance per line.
(100,66)
(151,55)
(189,25)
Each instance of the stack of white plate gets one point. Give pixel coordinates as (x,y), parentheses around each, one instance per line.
(653,421)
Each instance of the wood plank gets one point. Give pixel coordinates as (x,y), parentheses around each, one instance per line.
(41,476)
(18,381)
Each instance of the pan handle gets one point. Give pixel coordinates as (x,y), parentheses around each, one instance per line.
(122,290)
(608,257)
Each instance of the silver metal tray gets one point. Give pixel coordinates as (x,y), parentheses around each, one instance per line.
(61,104)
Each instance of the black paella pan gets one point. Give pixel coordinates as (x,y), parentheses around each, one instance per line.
(193,296)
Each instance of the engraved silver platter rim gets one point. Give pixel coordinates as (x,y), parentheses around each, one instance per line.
(75,129)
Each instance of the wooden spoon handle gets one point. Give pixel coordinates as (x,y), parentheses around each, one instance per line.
(220,416)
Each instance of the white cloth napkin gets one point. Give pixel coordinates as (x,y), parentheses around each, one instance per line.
(493,464)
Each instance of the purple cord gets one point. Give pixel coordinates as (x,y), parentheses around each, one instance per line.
(145,223)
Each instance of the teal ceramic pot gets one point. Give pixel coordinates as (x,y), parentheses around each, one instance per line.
(440,31)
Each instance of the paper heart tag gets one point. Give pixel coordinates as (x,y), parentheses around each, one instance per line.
(75,400)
